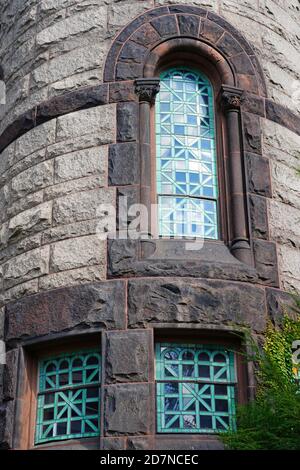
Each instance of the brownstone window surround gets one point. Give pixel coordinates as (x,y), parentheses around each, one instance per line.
(161,38)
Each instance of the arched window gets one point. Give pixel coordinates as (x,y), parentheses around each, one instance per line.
(186,169)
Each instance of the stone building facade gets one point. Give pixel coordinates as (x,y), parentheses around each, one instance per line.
(81,80)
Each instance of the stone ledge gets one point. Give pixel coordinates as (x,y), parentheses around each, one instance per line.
(97,305)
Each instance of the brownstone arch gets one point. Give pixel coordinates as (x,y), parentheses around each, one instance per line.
(136,46)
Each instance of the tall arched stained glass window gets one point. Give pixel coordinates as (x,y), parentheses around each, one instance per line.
(187,184)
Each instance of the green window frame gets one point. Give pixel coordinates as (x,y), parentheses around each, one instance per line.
(68,400)
(186,163)
(195,388)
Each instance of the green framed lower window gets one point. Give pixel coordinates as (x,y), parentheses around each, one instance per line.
(195,388)
(68,401)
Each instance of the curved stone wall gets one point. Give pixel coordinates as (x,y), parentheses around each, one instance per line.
(54,272)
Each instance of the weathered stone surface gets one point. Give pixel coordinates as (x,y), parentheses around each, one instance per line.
(82,206)
(127,122)
(266,261)
(120,91)
(72,277)
(211,31)
(258,175)
(25,267)
(127,356)
(161,257)
(88,121)
(62,232)
(33,179)
(165,26)
(29,222)
(145,35)
(10,375)
(76,24)
(128,409)
(285,184)
(6,424)
(188,24)
(132,52)
(123,164)
(259,216)
(37,138)
(229,45)
(7,159)
(95,305)
(284,223)
(252,133)
(19,291)
(77,252)
(174,301)
(289,267)
(279,303)
(92,161)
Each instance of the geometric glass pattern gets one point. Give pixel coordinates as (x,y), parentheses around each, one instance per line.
(195,387)
(68,404)
(186,170)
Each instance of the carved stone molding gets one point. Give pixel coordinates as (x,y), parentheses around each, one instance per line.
(231,98)
(147,89)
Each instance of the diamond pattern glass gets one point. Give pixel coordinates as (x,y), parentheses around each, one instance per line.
(186,155)
(69,397)
(195,389)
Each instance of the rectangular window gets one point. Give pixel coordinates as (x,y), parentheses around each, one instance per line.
(195,388)
(68,402)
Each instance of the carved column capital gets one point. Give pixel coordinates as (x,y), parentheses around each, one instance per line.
(231,98)
(147,89)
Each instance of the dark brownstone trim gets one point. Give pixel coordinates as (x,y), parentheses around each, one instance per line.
(123,91)
(281,115)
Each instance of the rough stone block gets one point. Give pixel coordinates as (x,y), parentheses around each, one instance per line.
(266,262)
(123,164)
(259,216)
(127,122)
(127,356)
(289,267)
(100,120)
(29,222)
(33,179)
(73,277)
(128,409)
(179,301)
(286,184)
(189,24)
(252,133)
(82,206)
(10,375)
(284,223)
(77,252)
(132,52)
(87,162)
(80,23)
(39,137)
(96,305)
(166,26)
(279,304)
(258,175)
(25,267)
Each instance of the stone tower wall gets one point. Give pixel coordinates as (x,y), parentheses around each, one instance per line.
(55,171)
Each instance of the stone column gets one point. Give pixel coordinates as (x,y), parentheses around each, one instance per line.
(146,89)
(231,98)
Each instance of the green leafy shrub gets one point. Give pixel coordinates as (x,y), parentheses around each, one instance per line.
(272,420)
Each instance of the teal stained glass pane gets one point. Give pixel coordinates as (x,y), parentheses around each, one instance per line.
(195,388)
(186,154)
(69,397)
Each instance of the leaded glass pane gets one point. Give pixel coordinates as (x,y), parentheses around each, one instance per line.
(187,184)
(69,397)
(195,388)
